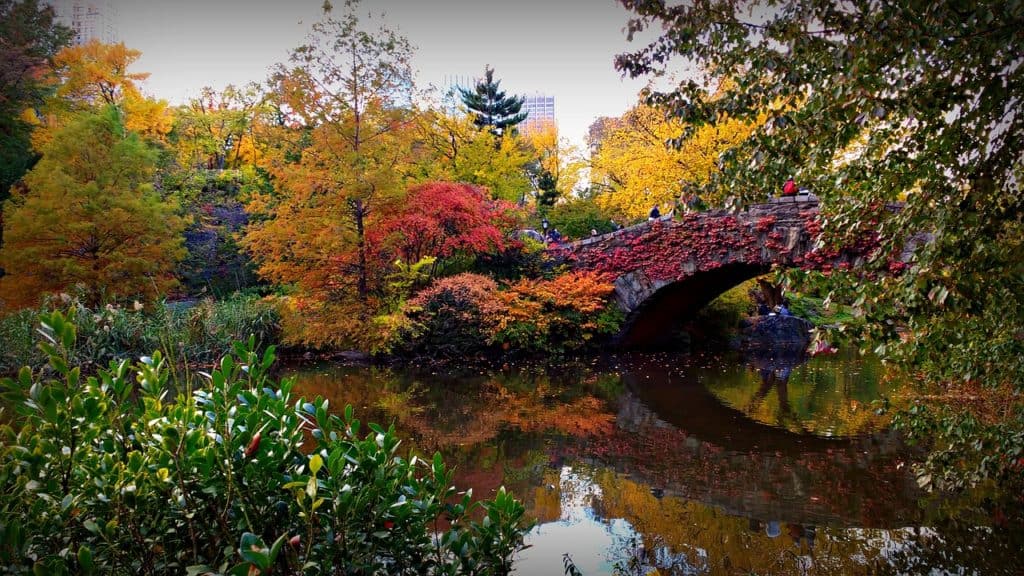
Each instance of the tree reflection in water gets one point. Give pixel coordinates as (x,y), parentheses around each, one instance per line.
(686,464)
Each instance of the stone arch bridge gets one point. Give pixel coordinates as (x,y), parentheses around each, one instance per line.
(668,269)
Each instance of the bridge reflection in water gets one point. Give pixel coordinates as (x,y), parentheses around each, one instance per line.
(685,464)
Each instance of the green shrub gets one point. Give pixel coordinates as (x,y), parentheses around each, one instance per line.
(576,218)
(18,341)
(198,334)
(120,474)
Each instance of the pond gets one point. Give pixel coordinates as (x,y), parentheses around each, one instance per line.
(685,464)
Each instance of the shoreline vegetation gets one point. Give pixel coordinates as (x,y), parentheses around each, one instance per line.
(449,327)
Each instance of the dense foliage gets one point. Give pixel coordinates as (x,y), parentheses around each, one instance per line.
(634,167)
(471,312)
(576,218)
(868,103)
(90,218)
(189,333)
(215,265)
(30,40)
(122,473)
(442,220)
(454,150)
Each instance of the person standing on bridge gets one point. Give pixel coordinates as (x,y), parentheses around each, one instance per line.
(789,188)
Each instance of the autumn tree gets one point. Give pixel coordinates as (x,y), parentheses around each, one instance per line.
(918,102)
(29,39)
(345,100)
(218,129)
(557,164)
(599,129)
(491,108)
(95,75)
(636,165)
(444,219)
(454,150)
(90,220)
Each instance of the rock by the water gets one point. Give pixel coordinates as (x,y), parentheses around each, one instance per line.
(354,356)
(772,331)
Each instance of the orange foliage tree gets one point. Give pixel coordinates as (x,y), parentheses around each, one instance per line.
(94,75)
(345,132)
(469,311)
(553,315)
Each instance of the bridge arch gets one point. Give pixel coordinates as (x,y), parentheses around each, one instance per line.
(667,307)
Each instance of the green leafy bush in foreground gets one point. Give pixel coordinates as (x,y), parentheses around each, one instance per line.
(119,474)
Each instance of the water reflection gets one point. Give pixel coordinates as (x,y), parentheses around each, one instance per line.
(824,397)
(683,464)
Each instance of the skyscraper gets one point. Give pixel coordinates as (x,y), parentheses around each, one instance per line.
(90,19)
(540,109)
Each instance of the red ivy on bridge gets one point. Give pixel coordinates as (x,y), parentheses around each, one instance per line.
(672,251)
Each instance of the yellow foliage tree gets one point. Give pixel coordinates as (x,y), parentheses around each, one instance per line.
(94,75)
(635,168)
(218,130)
(556,160)
(453,149)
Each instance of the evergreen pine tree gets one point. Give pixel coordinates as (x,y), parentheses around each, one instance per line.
(547,188)
(491,108)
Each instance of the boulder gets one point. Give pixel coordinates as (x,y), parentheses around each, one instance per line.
(775,332)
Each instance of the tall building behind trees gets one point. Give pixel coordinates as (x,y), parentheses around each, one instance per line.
(90,19)
(540,112)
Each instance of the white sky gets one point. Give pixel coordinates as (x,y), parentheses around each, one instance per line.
(563,48)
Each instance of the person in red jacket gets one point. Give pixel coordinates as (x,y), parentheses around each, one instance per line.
(789,188)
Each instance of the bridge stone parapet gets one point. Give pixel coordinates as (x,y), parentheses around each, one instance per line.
(668,268)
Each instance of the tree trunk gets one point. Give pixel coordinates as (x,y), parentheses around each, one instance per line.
(359,213)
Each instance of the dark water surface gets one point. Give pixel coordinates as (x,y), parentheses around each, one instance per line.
(686,464)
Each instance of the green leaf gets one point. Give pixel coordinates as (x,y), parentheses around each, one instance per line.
(85,559)
(253,550)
